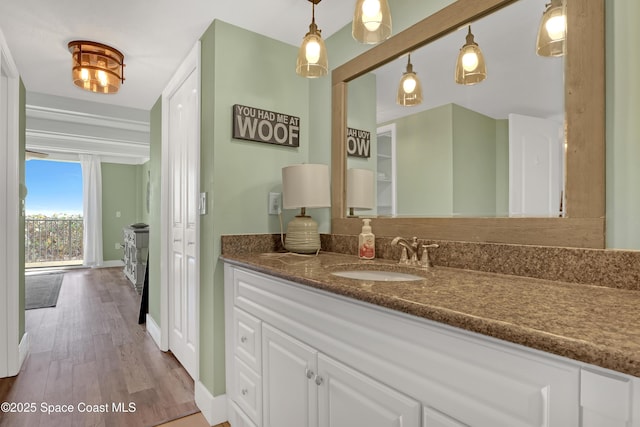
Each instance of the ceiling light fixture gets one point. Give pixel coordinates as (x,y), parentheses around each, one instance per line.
(409,89)
(371,21)
(553,30)
(470,67)
(96,67)
(312,56)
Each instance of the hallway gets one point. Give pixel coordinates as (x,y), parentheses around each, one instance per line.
(89,352)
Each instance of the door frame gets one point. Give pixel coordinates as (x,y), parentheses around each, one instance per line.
(13,349)
(190,65)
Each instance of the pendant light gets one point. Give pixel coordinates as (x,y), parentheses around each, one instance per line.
(312,55)
(371,21)
(470,67)
(409,89)
(553,30)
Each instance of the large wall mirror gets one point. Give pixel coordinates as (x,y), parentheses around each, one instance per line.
(452,151)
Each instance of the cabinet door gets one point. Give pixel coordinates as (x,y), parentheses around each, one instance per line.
(348,398)
(288,373)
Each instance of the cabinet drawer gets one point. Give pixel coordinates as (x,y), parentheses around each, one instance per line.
(248,386)
(433,418)
(248,338)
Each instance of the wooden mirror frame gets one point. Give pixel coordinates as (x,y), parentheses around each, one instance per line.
(584,224)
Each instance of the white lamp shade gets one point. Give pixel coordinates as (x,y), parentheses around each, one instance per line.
(360,189)
(305,186)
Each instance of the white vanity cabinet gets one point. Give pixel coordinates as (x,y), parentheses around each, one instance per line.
(327,360)
(303,387)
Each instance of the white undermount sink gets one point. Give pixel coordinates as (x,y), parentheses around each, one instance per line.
(377,275)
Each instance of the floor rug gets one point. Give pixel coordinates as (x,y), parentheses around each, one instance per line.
(42,290)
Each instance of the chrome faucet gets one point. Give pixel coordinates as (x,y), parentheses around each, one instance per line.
(410,252)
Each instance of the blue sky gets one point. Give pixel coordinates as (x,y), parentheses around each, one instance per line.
(53,187)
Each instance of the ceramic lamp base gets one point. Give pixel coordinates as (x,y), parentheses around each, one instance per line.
(302,235)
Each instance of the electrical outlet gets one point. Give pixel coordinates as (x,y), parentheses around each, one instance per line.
(117,214)
(117,245)
(275,203)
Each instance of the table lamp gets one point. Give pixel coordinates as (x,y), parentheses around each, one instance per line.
(359,190)
(304,186)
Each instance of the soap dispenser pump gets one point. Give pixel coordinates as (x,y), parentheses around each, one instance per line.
(366,241)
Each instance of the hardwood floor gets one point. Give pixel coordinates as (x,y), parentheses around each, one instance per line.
(90,352)
(195,420)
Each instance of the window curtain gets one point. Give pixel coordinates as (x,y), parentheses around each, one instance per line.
(92,209)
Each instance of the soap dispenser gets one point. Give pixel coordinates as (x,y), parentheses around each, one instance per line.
(366,241)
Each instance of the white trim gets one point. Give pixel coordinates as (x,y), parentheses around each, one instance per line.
(213,408)
(23,349)
(191,63)
(112,263)
(9,228)
(77,117)
(73,157)
(74,144)
(394,178)
(154,330)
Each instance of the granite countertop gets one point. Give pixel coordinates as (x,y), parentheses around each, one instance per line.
(591,324)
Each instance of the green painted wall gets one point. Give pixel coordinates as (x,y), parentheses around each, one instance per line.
(474,163)
(623,124)
(446,159)
(22,128)
(502,167)
(240,67)
(143,177)
(153,218)
(425,157)
(119,192)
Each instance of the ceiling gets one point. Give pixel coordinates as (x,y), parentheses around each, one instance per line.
(518,80)
(154,36)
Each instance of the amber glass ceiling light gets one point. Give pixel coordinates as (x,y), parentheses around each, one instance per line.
(96,67)
(470,67)
(312,55)
(371,21)
(553,30)
(409,89)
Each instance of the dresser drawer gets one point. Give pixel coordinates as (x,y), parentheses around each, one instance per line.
(248,339)
(248,387)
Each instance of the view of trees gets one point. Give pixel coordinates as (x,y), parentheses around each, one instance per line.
(53,238)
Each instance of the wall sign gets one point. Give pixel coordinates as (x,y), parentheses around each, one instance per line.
(254,124)
(358,143)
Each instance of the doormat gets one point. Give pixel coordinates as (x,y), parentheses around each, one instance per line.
(42,290)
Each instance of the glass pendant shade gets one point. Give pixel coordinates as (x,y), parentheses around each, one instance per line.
(553,30)
(371,21)
(96,67)
(470,67)
(312,56)
(409,89)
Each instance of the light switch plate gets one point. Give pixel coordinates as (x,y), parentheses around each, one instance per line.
(202,205)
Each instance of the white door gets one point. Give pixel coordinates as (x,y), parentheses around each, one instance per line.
(289,372)
(184,171)
(536,153)
(348,398)
(11,355)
